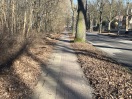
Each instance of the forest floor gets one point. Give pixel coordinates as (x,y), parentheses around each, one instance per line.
(18,81)
(109,79)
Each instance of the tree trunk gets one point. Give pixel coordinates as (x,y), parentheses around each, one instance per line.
(127,16)
(109,26)
(127,23)
(2,24)
(31,19)
(24,25)
(73,24)
(100,23)
(13,18)
(91,25)
(81,19)
(5,23)
(110,17)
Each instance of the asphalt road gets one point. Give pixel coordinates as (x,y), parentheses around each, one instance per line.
(118,48)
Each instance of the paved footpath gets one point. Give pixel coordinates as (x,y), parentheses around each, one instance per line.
(63,78)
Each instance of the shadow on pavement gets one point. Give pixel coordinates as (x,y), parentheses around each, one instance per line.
(61,85)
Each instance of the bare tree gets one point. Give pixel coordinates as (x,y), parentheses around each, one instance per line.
(119,16)
(74,14)
(127,15)
(92,13)
(100,4)
(111,12)
(23,19)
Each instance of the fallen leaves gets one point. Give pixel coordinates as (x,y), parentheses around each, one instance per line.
(18,81)
(109,79)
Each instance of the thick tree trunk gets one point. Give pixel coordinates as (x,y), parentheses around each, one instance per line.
(81,22)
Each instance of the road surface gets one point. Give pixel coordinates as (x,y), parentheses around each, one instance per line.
(118,48)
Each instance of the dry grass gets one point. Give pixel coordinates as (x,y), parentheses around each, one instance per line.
(109,79)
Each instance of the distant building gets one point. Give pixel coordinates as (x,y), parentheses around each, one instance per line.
(120,18)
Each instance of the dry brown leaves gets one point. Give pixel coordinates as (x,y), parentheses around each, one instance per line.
(109,79)
(19,81)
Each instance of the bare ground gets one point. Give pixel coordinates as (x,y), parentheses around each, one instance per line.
(18,80)
(109,78)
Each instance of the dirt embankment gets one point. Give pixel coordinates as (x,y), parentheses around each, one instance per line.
(18,80)
(109,79)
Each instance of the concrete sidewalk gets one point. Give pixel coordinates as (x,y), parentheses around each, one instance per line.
(63,78)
